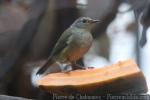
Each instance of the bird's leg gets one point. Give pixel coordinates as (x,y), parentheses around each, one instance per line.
(76,66)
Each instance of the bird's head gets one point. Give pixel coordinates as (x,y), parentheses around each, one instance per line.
(84,23)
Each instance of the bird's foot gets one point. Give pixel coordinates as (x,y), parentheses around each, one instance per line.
(90,67)
(77,66)
(85,68)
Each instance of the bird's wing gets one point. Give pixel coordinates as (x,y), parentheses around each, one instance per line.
(63,41)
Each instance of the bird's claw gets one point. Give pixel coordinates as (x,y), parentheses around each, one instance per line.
(76,66)
(90,67)
(86,68)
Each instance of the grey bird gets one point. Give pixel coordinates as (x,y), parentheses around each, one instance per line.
(72,45)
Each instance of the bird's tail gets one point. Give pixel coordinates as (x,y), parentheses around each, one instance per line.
(44,67)
(143,39)
(35,78)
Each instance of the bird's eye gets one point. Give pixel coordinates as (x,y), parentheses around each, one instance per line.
(84,21)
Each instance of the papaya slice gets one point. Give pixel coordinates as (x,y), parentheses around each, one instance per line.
(123,77)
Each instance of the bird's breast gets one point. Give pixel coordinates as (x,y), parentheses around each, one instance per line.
(83,39)
(79,46)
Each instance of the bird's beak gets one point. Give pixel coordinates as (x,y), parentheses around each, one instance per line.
(95,21)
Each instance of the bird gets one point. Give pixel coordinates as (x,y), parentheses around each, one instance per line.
(74,42)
